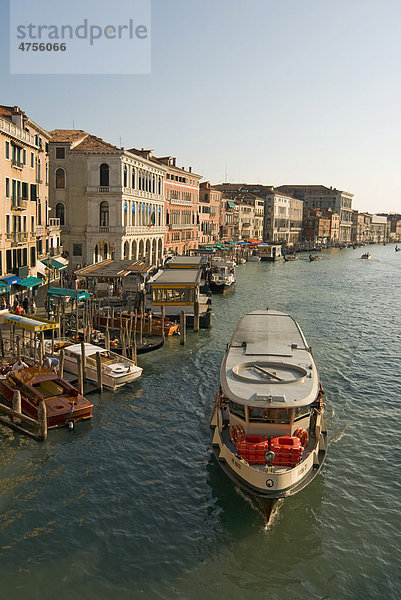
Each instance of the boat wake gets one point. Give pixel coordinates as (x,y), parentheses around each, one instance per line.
(338,437)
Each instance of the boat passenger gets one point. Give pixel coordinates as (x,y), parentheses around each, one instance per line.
(19,365)
(50,363)
(225,413)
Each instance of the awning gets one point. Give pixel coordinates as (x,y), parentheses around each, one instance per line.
(231,204)
(11,279)
(31,324)
(53,263)
(4,288)
(30,282)
(40,267)
(55,292)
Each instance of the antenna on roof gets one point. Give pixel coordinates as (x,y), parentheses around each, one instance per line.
(120,141)
(225,171)
(73,124)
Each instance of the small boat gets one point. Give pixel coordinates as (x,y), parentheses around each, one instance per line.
(116,370)
(222,276)
(140,348)
(267,429)
(366,256)
(314,257)
(241,261)
(397,249)
(289,257)
(64,404)
(104,319)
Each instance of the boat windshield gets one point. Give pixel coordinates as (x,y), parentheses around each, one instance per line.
(237,409)
(269,415)
(49,388)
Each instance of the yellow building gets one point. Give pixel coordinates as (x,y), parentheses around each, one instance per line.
(27,233)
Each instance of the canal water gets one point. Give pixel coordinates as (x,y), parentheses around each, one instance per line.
(133,505)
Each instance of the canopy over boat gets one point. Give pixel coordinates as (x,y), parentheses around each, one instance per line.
(36,324)
(268,363)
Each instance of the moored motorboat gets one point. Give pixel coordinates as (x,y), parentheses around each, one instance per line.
(222,276)
(268,430)
(116,370)
(289,257)
(64,404)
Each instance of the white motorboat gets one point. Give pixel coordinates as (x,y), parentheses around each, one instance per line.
(267,430)
(116,370)
(222,276)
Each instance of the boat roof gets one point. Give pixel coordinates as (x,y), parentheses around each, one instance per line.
(186,261)
(89,349)
(177,277)
(31,324)
(268,363)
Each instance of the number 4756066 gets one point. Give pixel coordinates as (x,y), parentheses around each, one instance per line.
(42,47)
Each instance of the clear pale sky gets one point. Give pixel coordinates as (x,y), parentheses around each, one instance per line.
(276,92)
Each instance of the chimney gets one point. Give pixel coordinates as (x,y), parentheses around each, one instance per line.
(174,161)
(190,169)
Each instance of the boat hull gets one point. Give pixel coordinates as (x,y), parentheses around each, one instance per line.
(60,410)
(221,288)
(108,381)
(273,484)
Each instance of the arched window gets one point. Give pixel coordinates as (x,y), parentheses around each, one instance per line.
(60,212)
(104,175)
(133,179)
(104,214)
(125,177)
(106,251)
(60,178)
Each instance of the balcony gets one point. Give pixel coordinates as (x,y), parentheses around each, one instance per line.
(56,250)
(104,188)
(54,224)
(17,163)
(19,237)
(179,226)
(18,203)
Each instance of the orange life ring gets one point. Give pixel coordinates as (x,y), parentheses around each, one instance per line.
(303,436)
(237,434)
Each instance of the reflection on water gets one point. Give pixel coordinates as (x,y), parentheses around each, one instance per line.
(134,505)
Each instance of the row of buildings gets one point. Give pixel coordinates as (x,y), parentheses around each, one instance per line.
(70,196)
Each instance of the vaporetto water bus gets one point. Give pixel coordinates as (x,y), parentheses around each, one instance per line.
(268,430)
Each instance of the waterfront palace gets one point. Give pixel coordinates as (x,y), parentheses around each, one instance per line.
(71,198)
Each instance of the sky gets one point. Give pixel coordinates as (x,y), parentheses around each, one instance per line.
(258,91)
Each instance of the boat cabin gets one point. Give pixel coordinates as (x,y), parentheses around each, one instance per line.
(269,252)
(179,290)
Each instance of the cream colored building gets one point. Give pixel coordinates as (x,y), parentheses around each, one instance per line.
(27,230)
(110,201)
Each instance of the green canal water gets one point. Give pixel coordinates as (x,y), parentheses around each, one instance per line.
(133,505)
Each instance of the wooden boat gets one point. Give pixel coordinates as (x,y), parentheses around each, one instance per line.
(64,404)
(366,256)
(267,429)
(222,276)
(170,327)
(116,370)
(140,348)
(312,257)
(289,257)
